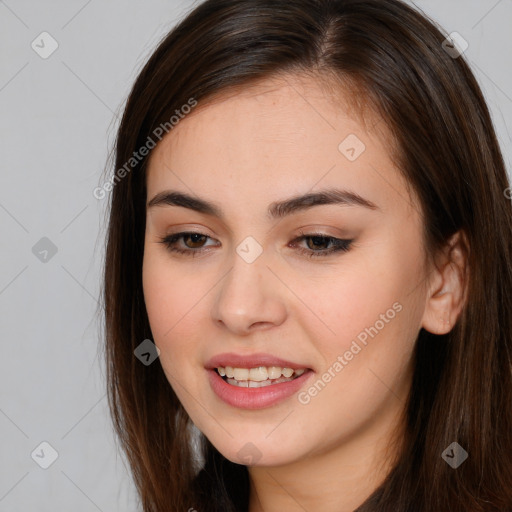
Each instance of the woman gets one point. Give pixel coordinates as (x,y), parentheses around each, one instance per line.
(372,374)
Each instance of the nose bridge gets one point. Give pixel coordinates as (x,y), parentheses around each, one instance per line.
(249,292)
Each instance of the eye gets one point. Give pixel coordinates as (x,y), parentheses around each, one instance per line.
(321,239)
(196,238)
(194,243)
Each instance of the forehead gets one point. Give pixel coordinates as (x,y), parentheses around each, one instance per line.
(276,138)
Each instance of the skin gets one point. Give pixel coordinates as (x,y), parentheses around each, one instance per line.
(274,140)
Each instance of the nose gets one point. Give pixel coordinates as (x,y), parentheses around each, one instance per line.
(249,297)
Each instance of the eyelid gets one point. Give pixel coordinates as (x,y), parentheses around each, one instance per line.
(339,245)
(309,230)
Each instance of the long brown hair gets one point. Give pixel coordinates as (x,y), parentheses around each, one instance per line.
(448,152)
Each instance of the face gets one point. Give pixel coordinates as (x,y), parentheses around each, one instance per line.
(331,289)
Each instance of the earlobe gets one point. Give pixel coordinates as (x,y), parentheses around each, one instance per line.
(447,287)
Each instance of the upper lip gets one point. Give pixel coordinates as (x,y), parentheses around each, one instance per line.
(250,361)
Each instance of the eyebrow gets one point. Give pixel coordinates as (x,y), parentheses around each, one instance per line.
(276,210)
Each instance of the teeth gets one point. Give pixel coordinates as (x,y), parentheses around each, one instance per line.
(258,377)
(258,374)
(287,372)
(240,373)
(274,372)
(253,384)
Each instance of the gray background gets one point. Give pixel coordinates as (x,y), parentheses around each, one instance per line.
(58,121)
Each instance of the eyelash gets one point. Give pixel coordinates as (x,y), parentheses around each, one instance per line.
(339,244)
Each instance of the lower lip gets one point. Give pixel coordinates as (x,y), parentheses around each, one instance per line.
(255,398)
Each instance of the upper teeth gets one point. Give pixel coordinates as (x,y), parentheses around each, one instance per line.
(258,374)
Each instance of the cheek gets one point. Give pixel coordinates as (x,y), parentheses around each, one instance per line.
(172,299)
(370,317)
(169,292)
(160,296)
(351,299)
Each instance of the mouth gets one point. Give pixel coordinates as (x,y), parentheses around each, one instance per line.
(258,377)
(255,381)
(257,387)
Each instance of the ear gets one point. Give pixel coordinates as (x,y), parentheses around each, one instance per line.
(447,286)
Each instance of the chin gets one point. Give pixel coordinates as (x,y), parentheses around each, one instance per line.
(257,452)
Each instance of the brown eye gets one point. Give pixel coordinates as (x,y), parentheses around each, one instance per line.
(192,242)
(319,241)
(195,238)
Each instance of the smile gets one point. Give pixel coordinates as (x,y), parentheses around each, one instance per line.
(256,394)
(258,377)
